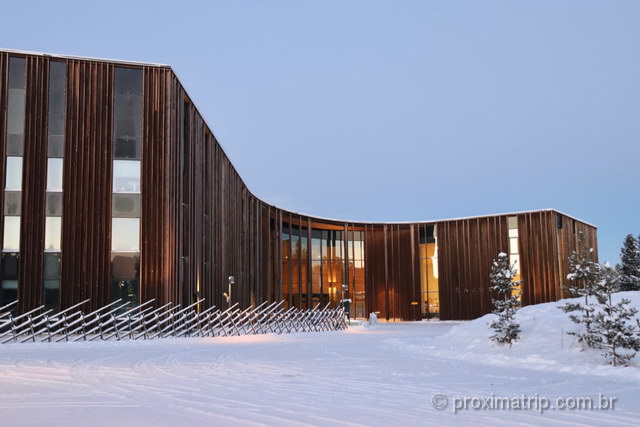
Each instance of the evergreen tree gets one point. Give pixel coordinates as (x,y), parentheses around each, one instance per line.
(505,306)
(610,325)
(585,277)
(629,267)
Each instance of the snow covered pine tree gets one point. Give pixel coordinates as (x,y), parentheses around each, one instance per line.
(610,325)
(629,267)
(585,276)
(506,328)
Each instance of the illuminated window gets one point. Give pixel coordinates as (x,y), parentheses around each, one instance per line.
(514,252)
(429,285)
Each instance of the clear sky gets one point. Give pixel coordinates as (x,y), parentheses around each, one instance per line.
(394,110)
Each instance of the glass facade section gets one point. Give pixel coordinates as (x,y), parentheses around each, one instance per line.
(126,198)
(12,203)
(11,239)
(125,277)
(429,287)
(12,157)
(315,271)
(355,247)
(125,234)
(52,233)
(514,252)
(13,181)
(54,174)
(125,206)
(126,176)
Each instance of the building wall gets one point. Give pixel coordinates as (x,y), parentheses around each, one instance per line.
(199,223)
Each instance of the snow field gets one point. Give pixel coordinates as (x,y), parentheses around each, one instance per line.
(384,375)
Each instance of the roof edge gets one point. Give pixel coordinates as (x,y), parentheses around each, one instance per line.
(151,64)
(84,58)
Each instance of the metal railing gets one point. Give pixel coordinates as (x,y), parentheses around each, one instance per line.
(120,321)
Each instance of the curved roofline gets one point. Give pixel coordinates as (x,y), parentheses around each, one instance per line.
(434,220)
(319,218)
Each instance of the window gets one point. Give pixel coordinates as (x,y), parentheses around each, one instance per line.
(11,240)
(125,266)
(10,265)
(54,174)
(125,234)
(16,108)
(56,113)
(429,284)
(14,173)
(126,198)
(52,233)
(514,253)
(12,203)
(54,204)
(52,265)
(125,206)
(126,176)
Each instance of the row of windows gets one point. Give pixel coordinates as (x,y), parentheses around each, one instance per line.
(333,279)
(13,179)
(126,198)
(126,202)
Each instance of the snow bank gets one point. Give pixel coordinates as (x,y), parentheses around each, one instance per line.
(543,345)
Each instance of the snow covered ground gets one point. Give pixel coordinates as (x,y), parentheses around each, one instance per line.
(386,375)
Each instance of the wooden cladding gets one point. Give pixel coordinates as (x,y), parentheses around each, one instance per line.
(200,223)
(86,223)
(466,250)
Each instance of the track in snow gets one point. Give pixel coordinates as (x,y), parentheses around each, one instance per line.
(357,377)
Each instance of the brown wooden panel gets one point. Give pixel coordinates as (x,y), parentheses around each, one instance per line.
(466,249)
(86,241)
(34,181)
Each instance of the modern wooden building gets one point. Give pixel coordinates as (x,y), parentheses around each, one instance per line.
(114,187)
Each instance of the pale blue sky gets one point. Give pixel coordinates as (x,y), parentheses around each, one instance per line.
(394,110)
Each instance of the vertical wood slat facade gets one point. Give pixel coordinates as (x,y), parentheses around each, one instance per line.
(86,222)
(201,224)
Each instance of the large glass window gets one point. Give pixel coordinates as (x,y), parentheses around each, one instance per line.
(12,203)
(12,158)
(429,287)
(126,206)
(14,173)
(125,274)
(16,108)
(126,176)
(52,265)
(11,240)
(10,265)
(126,199)
(125,234)
(54,204)
(514,253)
(54,174)
(53,233)
(356,273)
